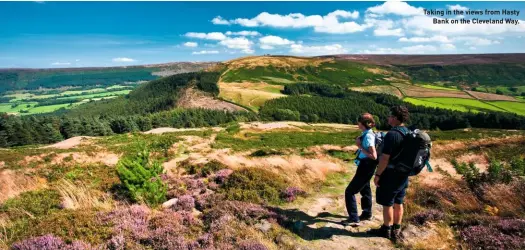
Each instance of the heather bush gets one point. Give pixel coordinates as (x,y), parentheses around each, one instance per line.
(247,212)
(70,225)
(46,242)
(254,185)
(252,245)
(291,193)
(204,170)
(142,178)
(185,203)
(428,215)
(132,221)
(222,175)
(36,203)
(505,234)
(49,242)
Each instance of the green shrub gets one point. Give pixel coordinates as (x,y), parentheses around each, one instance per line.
(265,152)
(141,178)
(233,129)
(345,156)
(254,185)
(36,203)
(206,169)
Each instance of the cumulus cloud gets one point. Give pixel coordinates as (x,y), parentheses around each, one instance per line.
(265,46)
(448,46)
(191,44)
(329,23)
(243,33)
(274,40)
(208,36)
(389,32)
(123,59)
(60,63)
(416,39)
(237,43)
(220,21)
(417,49)
(317,50)
(477,41)
(395,8)
(472,48)
(205,52)
(457,7)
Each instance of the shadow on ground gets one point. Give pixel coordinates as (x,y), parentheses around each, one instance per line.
(323,226)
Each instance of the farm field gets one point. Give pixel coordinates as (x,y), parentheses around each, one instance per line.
(429,86)
(251,95)
(514,107)
(40,101)
(490,97)
(421,92)
(382,89)
(458,104)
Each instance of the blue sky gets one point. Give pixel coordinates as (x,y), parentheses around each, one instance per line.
(81,34)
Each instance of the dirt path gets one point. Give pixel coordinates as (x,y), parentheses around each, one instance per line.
(317,220)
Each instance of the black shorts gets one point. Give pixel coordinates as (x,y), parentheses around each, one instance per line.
(392,188)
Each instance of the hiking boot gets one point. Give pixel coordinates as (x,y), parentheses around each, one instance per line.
(395,235)
(351,223)
(363,217)
(383,231)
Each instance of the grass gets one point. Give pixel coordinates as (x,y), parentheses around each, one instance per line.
(514,107)
(100,94)
(428,86)
(281,140)
(458,104)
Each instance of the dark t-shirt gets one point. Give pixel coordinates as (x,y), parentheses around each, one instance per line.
(393,140)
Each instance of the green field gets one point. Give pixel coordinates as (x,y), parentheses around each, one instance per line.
(514,107)
(27,100)
(428,86)
(458,104)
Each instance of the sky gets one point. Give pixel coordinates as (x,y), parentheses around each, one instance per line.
(85,34)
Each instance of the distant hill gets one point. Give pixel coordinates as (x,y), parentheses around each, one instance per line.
(433,59)
(17,79)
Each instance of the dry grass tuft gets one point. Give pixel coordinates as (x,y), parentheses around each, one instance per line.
(77,196)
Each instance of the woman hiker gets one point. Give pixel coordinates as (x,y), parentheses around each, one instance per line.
(366,165)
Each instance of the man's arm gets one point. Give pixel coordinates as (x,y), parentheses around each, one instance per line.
(383,162)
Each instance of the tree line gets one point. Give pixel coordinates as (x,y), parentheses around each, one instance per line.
(326,103)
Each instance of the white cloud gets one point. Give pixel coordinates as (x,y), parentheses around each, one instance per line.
(274,40)
(220,21)
(387,32)
(191,44)
(61,63)
(205,52)
(77,60)
(448,46)
(247,51)
(476,41)
(396,8)
(460,16)
(243,33)
(123,59)
(208,36)
(317,50)
(237,43)
(265,46)
(441,39)
(457,7)
(324,24)
(417,49)
(472,48)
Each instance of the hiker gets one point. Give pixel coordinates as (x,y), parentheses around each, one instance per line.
(366,162)
(391,185)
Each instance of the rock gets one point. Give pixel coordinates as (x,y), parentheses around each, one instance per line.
(170,203)
(285,240)
(264,226)
(196,212)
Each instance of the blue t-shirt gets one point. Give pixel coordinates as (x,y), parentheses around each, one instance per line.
(367,140)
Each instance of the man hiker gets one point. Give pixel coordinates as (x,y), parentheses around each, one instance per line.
(391,185)
(366,162)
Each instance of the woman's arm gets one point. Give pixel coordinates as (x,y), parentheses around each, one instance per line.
(370,152)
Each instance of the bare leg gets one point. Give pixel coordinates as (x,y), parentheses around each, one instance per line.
(398,213)
(388,215)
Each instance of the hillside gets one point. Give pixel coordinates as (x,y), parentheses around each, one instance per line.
(17,79)
(406,76)
(254,186)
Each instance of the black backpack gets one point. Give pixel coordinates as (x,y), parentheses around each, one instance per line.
(414,154)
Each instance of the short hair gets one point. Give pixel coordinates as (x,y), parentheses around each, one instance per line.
(367,120)
(400,112)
